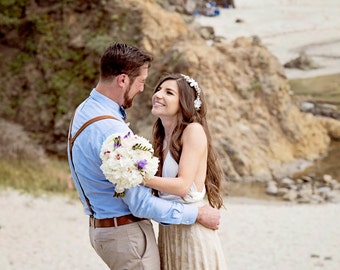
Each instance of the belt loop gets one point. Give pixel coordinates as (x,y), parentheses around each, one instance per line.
(115,222)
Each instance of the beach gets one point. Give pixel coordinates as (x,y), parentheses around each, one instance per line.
(51,232)
(286,27)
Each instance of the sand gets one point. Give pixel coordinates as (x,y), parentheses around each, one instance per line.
(51,232)
(286,27)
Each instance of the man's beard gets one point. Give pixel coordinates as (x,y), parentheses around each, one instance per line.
(127,100)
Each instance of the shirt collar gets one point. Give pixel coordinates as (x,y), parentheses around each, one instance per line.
(102,99)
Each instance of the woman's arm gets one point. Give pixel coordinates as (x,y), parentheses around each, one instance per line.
(194,154)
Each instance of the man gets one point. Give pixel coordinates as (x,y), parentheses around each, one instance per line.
(119,230)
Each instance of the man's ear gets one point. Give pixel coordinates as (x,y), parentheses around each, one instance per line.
(122,79)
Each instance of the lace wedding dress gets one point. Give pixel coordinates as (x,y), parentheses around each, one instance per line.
(188,246)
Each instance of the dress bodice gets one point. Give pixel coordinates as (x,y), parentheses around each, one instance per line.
(170,169)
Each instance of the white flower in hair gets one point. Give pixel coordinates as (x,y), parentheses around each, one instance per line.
(197,103)
(194,84)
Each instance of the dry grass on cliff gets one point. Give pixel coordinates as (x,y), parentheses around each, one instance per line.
(35,178)
(17,145)
(320,89)
(25,166)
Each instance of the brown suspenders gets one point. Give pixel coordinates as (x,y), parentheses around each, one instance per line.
(70,144)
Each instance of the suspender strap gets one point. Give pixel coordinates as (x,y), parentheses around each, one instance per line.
(72,139)
(70,144)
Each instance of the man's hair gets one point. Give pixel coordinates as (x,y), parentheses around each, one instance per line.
(120,58)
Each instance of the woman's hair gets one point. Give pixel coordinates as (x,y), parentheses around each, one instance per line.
(189,114)
(120,58)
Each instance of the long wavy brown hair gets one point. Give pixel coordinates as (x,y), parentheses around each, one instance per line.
(186,115)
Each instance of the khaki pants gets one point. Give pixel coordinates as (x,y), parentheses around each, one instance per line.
(131,247)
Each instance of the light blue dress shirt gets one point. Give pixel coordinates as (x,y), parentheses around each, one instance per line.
(86,149)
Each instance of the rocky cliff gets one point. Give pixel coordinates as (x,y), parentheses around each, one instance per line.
(50,54)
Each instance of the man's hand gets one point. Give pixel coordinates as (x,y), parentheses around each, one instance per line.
(209,217)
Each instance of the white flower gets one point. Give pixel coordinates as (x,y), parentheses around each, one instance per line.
(197,103)
(127,160)
(194,84)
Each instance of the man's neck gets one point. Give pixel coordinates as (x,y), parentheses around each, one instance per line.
(111,91)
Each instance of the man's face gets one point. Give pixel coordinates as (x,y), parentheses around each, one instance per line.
(135,87)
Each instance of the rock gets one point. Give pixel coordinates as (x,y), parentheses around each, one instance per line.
(256,40)
(327,178)
(305,196)
(323,191)
(271,188)
(332,127)
(282,191)
(207,32)
(287,182)
(334,197)
(291,195)
(335,185)
(303,61)
(307,106)
(322,109)
(306,178)
(316,199)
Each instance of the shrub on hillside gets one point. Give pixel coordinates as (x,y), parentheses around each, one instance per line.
(16,144)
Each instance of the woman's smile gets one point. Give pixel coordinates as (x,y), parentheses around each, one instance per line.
(166,98)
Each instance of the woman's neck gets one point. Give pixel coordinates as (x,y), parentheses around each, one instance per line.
(169,126)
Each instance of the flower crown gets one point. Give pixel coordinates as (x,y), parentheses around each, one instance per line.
(194,84)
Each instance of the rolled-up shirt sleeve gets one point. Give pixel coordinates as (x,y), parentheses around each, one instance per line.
(142,203)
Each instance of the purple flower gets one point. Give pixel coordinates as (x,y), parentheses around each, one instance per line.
(141,164)
(127,135)
(117,142)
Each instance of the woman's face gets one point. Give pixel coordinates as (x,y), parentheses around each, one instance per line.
(165,101)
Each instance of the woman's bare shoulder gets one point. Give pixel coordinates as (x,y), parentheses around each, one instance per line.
(194,127)
(194,131)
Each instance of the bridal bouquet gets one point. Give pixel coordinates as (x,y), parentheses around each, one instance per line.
(127,161)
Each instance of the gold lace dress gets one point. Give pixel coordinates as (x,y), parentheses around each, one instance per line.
(188,247)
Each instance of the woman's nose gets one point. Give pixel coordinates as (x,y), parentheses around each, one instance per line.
(158,94)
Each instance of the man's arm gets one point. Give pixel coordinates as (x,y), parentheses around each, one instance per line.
(143,204)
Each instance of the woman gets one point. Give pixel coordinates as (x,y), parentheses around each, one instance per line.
(188,171)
